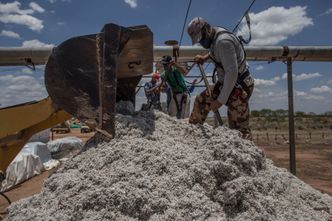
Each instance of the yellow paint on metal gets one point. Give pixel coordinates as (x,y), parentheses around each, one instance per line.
(20,122)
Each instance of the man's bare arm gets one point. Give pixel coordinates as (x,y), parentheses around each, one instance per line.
(180,68)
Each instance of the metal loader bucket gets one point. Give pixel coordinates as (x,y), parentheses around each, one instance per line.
(86,75)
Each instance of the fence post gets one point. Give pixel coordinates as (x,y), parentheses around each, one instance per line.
(292,157)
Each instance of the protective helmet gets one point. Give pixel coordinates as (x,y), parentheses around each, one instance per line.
(166,59)
(195,27)
(156,76)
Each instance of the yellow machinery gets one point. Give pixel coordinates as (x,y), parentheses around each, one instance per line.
(84,76)
(20,122)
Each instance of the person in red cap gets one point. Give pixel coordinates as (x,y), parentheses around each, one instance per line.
(152,92)
(235,84)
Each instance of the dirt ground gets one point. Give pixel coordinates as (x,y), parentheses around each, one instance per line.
(313,156)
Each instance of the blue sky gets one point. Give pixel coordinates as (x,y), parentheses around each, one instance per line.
(292,22)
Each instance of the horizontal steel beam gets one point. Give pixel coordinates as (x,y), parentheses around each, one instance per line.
(11,56)
(257,53)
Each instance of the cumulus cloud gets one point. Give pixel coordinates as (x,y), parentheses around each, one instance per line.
(14,7)
(263,82)
(303,76)
(329,81)
(10,34)
(131,3)
(321,89)
(34,6)
(300,93)
(11,13)
(259,67)
(328,11)
(273,96)
(35,44)
(54,1)
(276,24)
(20,89)
(313,97)
(307,96)
(282,96)
(26,71)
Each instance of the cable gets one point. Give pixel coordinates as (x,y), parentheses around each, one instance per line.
(244,14)
(184,23)
(139,88)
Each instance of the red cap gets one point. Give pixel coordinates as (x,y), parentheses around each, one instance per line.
(156,76)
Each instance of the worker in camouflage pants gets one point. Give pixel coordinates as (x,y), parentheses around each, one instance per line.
(238,110)
(234,85)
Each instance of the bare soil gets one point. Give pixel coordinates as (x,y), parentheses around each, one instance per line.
(313,155)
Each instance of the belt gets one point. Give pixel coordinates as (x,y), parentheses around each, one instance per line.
(243,76)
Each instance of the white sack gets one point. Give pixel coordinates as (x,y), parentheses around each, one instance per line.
(23,167)
(62,147)
(39,149)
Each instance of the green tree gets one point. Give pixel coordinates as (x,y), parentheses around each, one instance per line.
(266,112)
(255,113)
(281,113)
(300,114)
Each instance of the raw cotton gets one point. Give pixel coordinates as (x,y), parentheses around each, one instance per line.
(161,168)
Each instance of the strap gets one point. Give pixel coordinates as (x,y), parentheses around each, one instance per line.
(248,24)
(237,38)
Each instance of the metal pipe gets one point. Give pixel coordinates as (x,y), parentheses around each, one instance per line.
(292,157)
(18,55)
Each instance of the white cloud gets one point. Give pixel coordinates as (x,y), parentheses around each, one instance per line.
(263,82)
(300,93)
(131,3)
(34,6)
(306,96)
(60,23)
(10,34)
(54,1)
(257,90)
(12,13)
(303,76)
(33,23)
(328,11)
(275,24)
(273,96)
(322,89)
(19,89)
(14,7)
(259,67)
(26,71)
(313,97)
(35,44)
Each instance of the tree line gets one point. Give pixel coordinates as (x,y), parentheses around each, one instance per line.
(284,113)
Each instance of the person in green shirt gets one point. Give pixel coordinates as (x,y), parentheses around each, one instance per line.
(173,75)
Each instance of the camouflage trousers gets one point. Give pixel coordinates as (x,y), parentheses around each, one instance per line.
(238,109)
